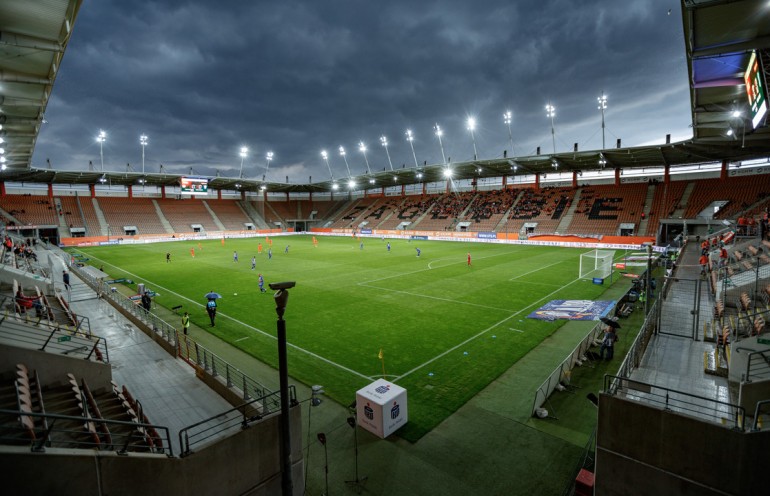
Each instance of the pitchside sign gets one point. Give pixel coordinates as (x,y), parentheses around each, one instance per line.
(381,408)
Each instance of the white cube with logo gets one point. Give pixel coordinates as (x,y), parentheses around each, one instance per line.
(381,408)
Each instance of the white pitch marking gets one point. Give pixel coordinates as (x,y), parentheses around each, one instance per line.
(433,297)
(517,330)
(531,271)
(440,355)
(241,339)
(247,325)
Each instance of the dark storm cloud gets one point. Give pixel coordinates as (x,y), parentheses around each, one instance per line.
(203,78)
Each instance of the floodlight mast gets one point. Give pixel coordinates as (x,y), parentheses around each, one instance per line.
(143,141)
(326,159)
(602,106)
(268,158)
(410,139)
(384,142)
(343,153)
(507,119)
(243,153)
(439,133)
(362,149)
(550,111)
(101,138)
(471,128)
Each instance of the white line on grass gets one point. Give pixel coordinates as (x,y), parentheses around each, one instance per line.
(433,297)
(241,339)
(512,329)
(243,323)
(450,350)
(531,271)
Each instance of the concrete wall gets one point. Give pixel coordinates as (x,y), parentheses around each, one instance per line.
(644,450)
(245,463)
(98,375)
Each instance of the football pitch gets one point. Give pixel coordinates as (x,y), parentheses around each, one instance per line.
(445,329)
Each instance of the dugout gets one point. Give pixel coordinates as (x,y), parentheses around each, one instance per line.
(130,230)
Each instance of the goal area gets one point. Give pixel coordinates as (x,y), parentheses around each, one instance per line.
(596,263)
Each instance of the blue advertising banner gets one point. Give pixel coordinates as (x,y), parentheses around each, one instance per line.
(488,235)
(366,231)
(573,310)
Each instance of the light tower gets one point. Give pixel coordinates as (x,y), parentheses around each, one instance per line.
(439,133)
(143,142)
(101,138)
(243,153)
(384,142)
(342,152)
(602,106)
(326,159)
(550,111)
(471,128)
(507,119)
(362,149)
(410,139)
(268,158)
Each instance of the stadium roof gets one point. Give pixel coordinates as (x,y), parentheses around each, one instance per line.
(719,38)
(33,37)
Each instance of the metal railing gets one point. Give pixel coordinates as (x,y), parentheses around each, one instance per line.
(711,410)
(763,408)
(236,418)
(204,359)
(636,352)
(757,364)
(135,440)
(557,376)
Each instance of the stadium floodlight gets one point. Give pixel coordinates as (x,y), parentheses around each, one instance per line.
(351,184)
(342,152)
(410,139)
(439,133)
(371,181)
(101,138)
(419,175)
(448,173)
(471,128)
(736,113)
(602,160)
(602,106)
(508,119)
(362,149)
(335,186)
(550,111)
(326,159)
(243,153)
(268,158)
(143,141)
(384,143)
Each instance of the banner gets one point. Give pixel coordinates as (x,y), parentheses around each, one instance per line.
(573,310)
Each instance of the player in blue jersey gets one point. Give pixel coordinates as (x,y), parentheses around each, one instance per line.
(418,251)
(261,284)
(388,246)
(253,262)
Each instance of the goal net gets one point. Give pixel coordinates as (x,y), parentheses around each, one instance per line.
(596,263)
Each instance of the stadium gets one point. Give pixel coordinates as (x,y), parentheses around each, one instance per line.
(585,322)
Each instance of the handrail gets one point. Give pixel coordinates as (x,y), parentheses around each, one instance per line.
(764,371)
(262,406)
(167,448)
(639,346)
(757,414)
(186,348)
(682,402)
(29,334)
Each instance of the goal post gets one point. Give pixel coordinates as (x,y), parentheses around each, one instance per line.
(596,263)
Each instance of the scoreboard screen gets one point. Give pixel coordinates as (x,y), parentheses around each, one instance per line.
(755,90)
(194,185)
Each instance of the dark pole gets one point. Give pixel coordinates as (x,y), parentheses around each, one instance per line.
(283,371)
(647,281)
(281,298)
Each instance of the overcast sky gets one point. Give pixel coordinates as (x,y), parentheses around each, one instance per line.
(202,78)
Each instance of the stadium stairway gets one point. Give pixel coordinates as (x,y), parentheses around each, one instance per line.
(679,212)
(163,220)
(566,219)
(167,387)
(214,216)
(642,228)
(103,226)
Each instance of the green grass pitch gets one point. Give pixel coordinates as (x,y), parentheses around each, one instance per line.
(446,329)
